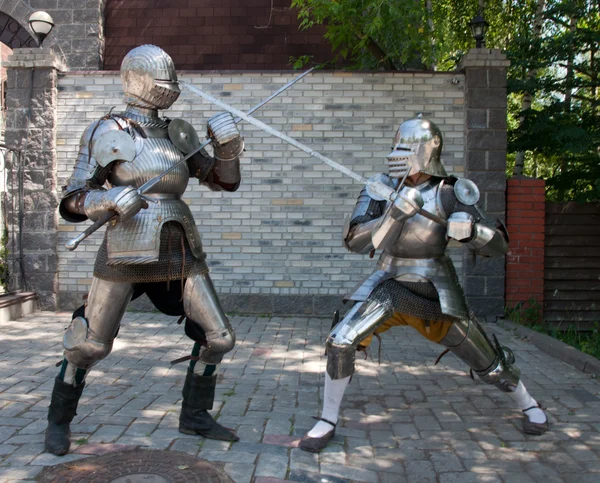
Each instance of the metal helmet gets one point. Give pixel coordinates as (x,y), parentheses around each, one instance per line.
(417,146)
(149,78)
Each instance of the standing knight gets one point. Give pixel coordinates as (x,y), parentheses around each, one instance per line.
(154,247)
(415,283)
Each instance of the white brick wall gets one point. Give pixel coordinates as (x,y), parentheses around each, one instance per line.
(280,233)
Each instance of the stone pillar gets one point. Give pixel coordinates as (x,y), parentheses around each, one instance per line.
(485,141)
(31,105)
(78,33)
(525,220)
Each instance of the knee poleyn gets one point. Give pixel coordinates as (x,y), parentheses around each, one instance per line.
(80,349)
(220,342)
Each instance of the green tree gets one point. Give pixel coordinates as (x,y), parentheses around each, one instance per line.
(557,136)
(553,78)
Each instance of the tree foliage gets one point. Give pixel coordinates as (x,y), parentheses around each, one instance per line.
(560,133)
(553,78)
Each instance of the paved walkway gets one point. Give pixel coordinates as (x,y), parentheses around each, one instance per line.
(404,420)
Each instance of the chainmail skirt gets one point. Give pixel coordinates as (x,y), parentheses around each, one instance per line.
(175,261)
(419,299)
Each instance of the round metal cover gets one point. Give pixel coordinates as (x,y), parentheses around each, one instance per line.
(137,466)
(466,191)
(183,136)
(113,146)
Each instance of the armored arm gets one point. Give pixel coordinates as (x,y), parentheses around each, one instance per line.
(362,222)
(369,228)
(467,225)
(228,146)
(84,196)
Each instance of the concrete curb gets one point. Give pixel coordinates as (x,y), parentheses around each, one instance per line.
(556,348)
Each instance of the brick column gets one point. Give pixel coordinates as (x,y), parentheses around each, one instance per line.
(525,218)
(485,141)
(31,129)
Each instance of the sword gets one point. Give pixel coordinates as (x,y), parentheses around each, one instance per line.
(111,216)
(376,187)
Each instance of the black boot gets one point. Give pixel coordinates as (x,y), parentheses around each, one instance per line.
(61,412)
(198,396)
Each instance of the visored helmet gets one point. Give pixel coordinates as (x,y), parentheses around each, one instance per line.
(149,78)
(417,146)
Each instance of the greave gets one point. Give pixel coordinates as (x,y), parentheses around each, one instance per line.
(492,363)
(198,397)
(61,412)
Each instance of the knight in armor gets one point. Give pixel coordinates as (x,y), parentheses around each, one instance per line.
(153,247)
(415,283)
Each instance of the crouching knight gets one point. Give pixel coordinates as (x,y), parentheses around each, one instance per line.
(415,283)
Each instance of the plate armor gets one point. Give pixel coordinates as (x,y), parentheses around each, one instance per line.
(160,242)
(151,241)
(414,276)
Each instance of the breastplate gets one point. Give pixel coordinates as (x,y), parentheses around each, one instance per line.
(421,237)
(138,239)
(154,155)
(419,256)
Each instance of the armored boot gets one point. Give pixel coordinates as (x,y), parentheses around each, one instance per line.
(198,397)
(61,412)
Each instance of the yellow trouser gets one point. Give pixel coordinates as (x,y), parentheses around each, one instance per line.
(433,330)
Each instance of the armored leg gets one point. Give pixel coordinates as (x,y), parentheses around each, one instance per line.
(492,363)
(86,341)
(202,306)
(341,344)
(209,327)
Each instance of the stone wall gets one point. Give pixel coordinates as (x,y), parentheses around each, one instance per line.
(30,130)
(485,163)
(78,35)
(275,245)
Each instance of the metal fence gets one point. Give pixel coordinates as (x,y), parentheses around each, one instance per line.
(12,277)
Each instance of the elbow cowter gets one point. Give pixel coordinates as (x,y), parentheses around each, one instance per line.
(488,241)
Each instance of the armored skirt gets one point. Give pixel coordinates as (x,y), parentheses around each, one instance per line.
(175,261)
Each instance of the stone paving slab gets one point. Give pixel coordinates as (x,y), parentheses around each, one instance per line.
(403,420)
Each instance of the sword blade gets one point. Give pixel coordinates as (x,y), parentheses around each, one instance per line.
(274,132)
(151,182)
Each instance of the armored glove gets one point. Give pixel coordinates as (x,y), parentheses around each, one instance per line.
(125,201)
(460,226)
(407,204)
(226,138)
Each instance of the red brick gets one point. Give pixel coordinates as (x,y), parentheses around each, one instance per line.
(527,182)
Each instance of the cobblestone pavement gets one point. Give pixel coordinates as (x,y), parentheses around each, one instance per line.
(403,420)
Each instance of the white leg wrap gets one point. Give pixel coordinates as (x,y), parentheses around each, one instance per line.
(200,368)
(69,377)
(332,400)
(525,401)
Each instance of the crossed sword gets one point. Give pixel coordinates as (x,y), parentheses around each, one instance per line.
(375,187)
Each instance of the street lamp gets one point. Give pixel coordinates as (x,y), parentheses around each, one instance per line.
(41,24)
(478,27)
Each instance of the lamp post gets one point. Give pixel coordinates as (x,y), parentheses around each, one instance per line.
(479,27)
(41,24)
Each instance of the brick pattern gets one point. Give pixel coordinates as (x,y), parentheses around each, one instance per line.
(525,218)
(78,34)
(485,131)
(280,234)
(213,34)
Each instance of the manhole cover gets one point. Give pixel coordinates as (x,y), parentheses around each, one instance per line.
(137,466)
